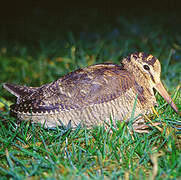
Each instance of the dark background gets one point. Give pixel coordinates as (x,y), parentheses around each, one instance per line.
(27,21)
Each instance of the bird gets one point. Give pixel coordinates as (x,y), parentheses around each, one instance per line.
(94,95)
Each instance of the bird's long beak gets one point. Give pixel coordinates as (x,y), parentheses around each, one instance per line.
(160,88)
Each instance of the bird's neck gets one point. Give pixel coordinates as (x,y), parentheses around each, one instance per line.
(139,77)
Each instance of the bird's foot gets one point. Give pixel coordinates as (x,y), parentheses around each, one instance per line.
(144,128)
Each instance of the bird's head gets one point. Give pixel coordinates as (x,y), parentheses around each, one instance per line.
(147,69)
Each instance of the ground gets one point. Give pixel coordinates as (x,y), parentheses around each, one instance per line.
(31,152)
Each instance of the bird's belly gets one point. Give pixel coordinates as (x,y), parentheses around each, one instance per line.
(119,109)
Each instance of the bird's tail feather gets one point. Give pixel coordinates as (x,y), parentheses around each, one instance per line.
(18,90)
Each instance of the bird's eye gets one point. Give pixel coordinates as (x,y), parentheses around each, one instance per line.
(146,67)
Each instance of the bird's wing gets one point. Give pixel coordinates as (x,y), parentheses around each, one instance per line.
(92,85)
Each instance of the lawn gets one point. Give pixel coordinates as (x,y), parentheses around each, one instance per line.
(31,152)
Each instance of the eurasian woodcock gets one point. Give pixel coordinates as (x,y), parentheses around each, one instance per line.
(94,95)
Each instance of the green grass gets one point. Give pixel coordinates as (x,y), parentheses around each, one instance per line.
(29,151)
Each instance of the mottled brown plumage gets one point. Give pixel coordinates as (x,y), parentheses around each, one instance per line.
(93,95)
